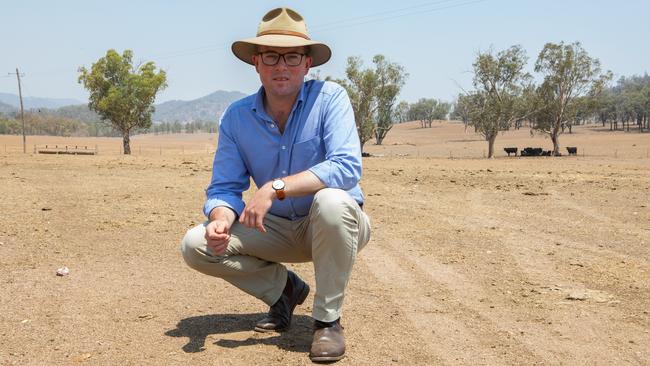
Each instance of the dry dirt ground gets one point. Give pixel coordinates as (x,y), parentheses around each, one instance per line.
(508,261)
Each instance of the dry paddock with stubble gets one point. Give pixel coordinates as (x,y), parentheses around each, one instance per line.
(506,261)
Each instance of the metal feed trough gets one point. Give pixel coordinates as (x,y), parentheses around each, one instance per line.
(65,149)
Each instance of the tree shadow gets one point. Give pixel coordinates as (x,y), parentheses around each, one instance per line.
(197,328)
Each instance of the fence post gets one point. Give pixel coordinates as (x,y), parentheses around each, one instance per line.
(616,153)
(160,150)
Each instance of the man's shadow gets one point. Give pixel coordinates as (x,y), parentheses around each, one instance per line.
(197,328)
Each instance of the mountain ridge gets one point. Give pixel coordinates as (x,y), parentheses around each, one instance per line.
(208,108)
(37,102)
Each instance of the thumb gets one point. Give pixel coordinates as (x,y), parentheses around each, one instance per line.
(222,227)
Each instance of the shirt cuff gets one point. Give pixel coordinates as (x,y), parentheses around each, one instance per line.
(213,203)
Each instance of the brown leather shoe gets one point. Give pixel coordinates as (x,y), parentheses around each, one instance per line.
(279,317)
(328,344)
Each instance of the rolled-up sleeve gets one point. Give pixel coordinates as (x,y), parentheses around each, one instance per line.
(230,177)
(342,165)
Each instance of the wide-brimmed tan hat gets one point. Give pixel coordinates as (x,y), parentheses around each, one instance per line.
(282,27)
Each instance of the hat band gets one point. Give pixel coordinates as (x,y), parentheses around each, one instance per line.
(284,33)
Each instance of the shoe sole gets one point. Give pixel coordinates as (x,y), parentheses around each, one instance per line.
(303,296)
(327,358)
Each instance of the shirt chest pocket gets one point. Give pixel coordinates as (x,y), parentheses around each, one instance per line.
(306,154)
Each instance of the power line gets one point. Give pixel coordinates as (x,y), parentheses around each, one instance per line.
(430,3)
(403,15)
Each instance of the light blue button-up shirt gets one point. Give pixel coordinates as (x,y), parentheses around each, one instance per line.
(320,136)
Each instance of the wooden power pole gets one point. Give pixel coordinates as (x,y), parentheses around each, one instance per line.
(22,111)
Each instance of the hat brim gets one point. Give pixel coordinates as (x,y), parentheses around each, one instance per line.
(246,48)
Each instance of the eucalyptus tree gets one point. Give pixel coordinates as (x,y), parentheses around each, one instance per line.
(390,80)
(401,112)
(121,93)
(462,109)
(426,110)
(373,94)
(569,73)
(498,99)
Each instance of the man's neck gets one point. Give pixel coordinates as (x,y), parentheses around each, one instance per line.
(279,108)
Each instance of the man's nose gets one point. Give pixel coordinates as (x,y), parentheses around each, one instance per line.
(282,64)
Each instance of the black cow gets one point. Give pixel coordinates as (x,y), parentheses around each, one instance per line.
(510,150)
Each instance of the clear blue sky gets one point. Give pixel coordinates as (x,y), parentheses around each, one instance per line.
(436,41)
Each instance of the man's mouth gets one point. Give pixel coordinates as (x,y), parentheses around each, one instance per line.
(280,78)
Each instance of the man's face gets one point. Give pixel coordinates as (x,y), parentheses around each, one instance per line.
(282,80)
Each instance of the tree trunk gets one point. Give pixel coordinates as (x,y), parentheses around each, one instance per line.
(126,140)
(555,137)
(491,140)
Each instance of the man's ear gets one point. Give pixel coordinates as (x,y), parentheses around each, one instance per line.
(254,59)
(309,62)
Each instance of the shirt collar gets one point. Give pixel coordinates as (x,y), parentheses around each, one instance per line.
(258,105)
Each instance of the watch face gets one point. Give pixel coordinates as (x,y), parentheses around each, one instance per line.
(278,184)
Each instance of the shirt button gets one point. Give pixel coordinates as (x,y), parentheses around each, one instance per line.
(284,172)
(284,147)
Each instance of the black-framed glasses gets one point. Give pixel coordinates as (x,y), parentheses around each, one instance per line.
(290,58)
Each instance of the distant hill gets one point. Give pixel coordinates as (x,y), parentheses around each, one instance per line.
(6,109)
(36,102)
(79,112)
(207,108)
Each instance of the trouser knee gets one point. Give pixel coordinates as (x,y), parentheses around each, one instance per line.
(332,207)
(192,244)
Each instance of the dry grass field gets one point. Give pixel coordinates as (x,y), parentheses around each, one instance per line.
(507,261)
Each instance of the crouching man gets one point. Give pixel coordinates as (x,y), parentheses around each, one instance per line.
(298,141)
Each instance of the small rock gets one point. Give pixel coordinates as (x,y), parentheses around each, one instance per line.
(46,209)
(577,295)
(82,357)
(146,316)
(63,271)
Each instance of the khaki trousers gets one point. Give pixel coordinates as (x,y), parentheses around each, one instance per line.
(330,236)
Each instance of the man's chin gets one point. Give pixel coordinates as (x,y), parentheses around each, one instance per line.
(282,91)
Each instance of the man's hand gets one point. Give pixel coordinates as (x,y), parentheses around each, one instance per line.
(217,232)
(257,207)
